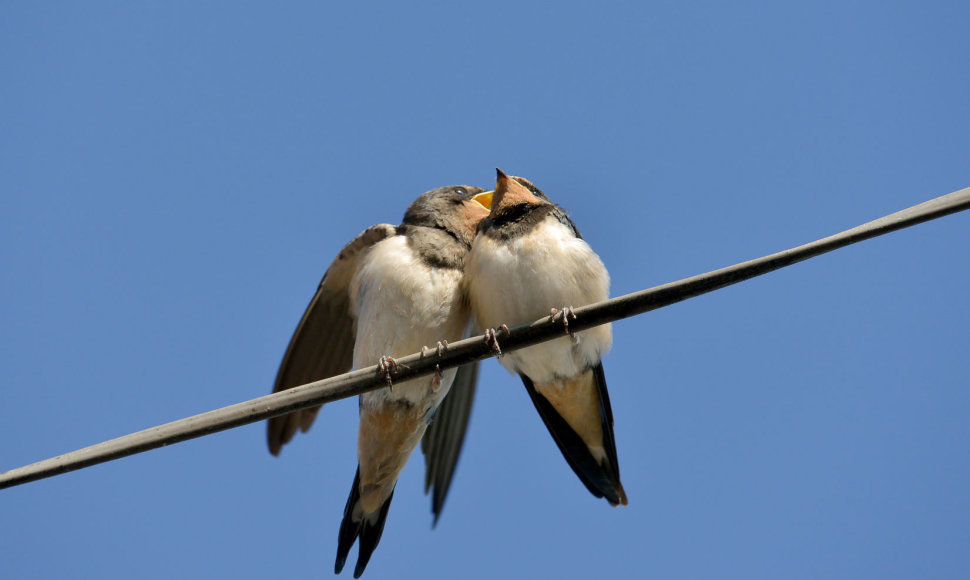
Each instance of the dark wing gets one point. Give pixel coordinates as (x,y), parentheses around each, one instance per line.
(443,440)
(323,343)
(601,479)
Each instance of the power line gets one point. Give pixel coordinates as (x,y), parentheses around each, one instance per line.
(473,348)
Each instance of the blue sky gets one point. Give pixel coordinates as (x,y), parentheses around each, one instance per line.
(175,177)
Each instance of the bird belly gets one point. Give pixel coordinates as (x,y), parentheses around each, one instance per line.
(520,280)
(401,304)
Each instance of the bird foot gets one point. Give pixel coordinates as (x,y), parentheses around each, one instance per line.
(441,347)
(491,338)
(384,366)
(565,314)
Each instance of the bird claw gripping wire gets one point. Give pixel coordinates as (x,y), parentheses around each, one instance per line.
(491,338)
(439,350)
(565,314)
(384,366)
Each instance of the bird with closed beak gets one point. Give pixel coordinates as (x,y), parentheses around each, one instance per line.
(528,260)
(392,291)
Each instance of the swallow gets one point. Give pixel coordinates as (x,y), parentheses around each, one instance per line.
(527,260)
(390,292)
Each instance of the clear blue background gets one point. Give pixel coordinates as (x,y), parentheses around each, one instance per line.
(175,177)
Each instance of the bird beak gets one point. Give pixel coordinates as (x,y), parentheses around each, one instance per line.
(501,179)
(484,199)
(501,186)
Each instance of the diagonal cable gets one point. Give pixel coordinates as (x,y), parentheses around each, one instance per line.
(473,348)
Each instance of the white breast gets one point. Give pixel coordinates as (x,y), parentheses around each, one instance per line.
(519,281)
(402,304)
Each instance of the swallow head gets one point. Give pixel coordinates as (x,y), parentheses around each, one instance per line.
(456,209)
(511,191)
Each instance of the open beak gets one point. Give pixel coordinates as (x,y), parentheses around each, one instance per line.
(484,199)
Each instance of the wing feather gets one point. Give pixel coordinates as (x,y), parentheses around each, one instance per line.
(444,438)
(323,342)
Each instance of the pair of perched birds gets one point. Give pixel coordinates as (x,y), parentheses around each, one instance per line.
(461,255)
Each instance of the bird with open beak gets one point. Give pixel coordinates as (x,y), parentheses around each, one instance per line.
(391,292)
(528,260)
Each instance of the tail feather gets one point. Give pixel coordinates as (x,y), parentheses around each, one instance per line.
(601,478)
(367,527)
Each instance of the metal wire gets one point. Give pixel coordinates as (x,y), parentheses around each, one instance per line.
(473,348)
